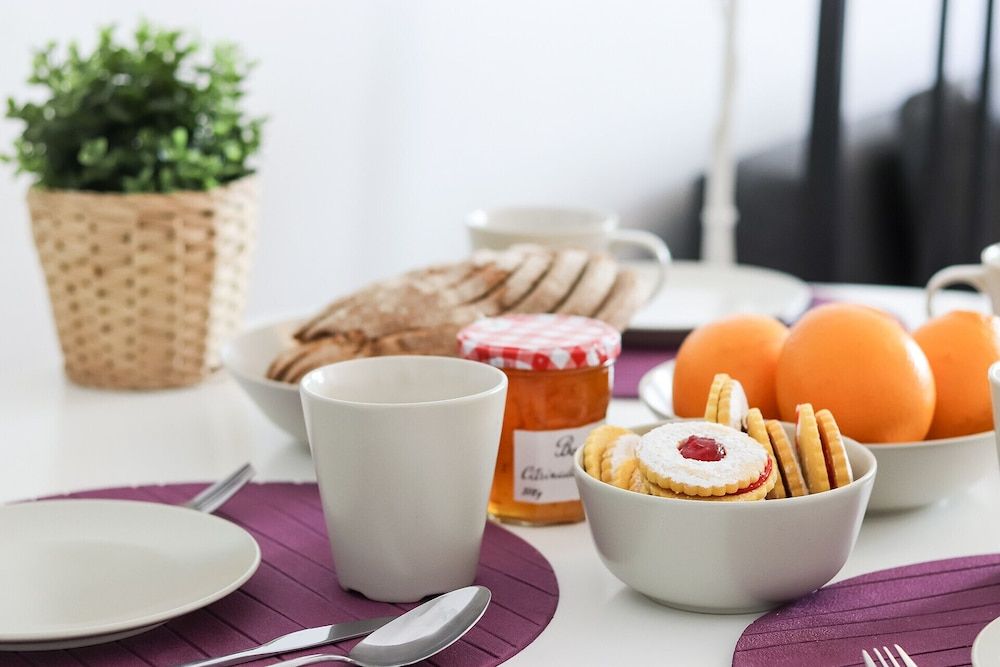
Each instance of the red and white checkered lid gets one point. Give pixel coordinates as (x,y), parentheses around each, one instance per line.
(540,342)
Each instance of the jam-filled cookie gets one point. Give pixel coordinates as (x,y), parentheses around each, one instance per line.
(704,461)
(727,402)
(811,449)
(637,482)
(834,452)
(596,443)
(618,461)
(822,450)
(757,429)
(790,477)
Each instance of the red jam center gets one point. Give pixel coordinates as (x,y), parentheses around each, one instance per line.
(701,448)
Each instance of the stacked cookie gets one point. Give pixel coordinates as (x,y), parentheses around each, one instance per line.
(697,460)
(727,402)
(772,436)
(733,455)
(815,462)
(610,455)
(421,312)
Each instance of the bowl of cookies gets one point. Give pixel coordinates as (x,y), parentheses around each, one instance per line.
(421,312)
(733,513)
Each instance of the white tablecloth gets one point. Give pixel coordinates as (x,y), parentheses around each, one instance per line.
(56,437)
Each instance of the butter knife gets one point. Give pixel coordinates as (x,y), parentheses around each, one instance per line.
(298,640)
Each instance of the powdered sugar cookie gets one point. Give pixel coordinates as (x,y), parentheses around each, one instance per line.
(757,491)
(618,461)
(733,405)
(703,459)
(597,441)
(638,483)
(727,402)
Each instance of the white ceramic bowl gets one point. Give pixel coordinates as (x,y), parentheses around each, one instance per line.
(905,469)
(720,557)
(247,357)
(915,474)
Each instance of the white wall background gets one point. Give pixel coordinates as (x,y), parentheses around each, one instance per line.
(391,119)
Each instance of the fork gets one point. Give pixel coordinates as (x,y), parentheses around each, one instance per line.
(907,660)
(213,497)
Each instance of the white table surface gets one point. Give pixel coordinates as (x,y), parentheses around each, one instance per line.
(56,437)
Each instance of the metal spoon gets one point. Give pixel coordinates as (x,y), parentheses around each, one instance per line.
(416,635)
(213,497)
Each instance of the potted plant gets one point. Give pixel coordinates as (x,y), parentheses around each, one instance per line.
(144,204)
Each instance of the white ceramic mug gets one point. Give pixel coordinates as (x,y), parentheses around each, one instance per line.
(984,276)
(404,448)
(596,231)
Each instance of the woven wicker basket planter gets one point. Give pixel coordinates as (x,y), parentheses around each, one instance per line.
(145,287)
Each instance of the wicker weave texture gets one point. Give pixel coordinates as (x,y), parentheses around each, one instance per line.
(145,287)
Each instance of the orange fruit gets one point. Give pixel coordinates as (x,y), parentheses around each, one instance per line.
(960,346)
(861,365)
(744,346)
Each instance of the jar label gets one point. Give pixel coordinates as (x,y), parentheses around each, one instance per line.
(543,464)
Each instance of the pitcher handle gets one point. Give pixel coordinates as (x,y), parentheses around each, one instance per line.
(960,274)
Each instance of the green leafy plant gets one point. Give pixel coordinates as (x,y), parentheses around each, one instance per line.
(160,115)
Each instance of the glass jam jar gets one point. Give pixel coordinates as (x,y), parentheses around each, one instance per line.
(560,371)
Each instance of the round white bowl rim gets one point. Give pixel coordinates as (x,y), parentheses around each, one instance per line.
(851,445)
(927,444)
(310,379)
(229,350)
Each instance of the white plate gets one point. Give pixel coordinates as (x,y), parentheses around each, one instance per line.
(954,463)
(986,648)
(696,293)
(656,389)
(79,572)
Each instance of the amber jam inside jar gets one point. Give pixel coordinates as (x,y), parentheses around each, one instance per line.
(546,409)
(559,370)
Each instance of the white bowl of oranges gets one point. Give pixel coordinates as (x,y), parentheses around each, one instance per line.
(919,401)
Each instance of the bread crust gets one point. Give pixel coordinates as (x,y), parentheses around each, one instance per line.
(421,311)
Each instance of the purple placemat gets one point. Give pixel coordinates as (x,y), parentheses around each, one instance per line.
(296,587)
(933,610)
(633,364)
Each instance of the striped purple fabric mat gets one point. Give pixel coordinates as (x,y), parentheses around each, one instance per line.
(933,610)
(632,365)
(296,587)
